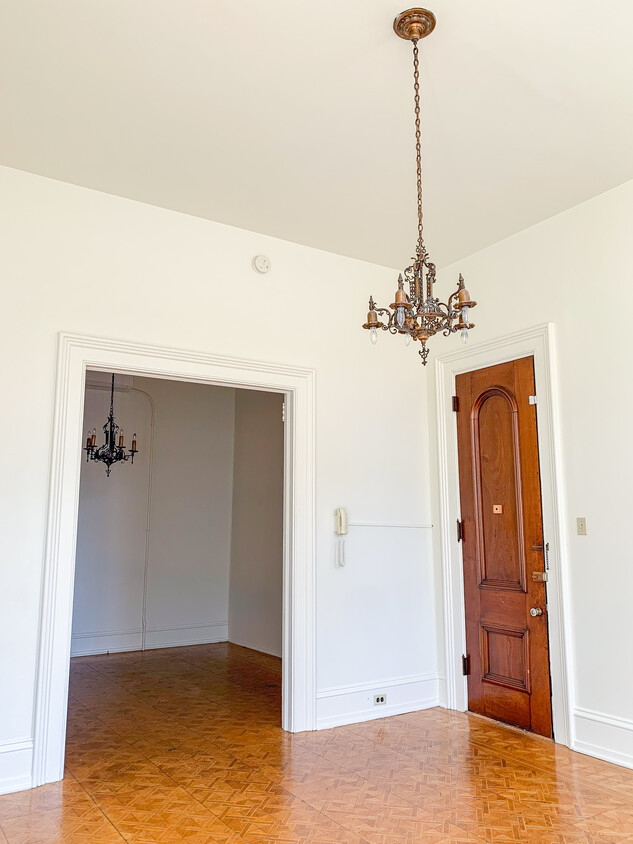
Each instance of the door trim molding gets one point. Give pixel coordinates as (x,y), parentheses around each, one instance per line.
(538,342)
(77,353)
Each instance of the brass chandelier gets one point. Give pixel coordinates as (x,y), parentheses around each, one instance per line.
(418,315)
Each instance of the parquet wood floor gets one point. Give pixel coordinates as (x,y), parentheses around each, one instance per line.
(184,745)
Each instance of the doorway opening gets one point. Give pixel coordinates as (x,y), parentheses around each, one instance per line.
(77,355)
(178,598)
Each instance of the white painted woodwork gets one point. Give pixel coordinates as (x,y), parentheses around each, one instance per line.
(76,353)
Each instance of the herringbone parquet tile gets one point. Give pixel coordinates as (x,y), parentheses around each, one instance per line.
(184,745)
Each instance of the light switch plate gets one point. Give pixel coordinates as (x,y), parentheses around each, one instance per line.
(581,526)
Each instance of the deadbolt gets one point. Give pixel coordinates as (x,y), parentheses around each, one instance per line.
(536,611)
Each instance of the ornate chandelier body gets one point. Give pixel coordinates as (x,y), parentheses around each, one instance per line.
(112,451)
(415,312)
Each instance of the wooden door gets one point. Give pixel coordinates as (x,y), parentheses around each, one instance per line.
(502,546)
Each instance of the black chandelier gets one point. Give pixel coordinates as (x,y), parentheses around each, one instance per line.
(112,451)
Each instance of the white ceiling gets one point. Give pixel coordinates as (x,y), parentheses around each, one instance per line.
(295,119)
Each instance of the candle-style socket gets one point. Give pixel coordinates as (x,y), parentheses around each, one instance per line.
(372,320)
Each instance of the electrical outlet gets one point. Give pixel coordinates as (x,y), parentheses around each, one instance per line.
(581,526)
(379,700)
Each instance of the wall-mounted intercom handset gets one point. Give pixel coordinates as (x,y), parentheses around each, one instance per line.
(340,529)
(340,521)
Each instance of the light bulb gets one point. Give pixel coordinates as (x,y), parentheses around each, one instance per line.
(374,335)
(465,312)
(407,339)
(400,316)
(464,333)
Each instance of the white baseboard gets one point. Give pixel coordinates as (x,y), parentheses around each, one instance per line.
(442,693)
(193,634)
(109,641)
(253,647)
(355,703)
(603,736)
(16,762)
(112,641)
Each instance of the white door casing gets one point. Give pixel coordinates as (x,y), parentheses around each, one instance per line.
(539,343)
(76,354)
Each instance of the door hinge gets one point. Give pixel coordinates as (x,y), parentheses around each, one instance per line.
(456,403)
(466,665)
(283,411)
(532,399)
(460,530)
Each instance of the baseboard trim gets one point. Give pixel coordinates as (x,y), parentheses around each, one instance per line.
(350,704)
(614,756)
(606,737)
(442,691)
(193,634)
(119,641)
(386,711)
(242,643)
(16,762)
(107,641)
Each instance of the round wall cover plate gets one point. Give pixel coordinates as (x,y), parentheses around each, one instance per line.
(261,264)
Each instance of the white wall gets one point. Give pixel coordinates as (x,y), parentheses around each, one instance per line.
(255,599)
(190,536)
(181,477)
(574,270)
(64,247)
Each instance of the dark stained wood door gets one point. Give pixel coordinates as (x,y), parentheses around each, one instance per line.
(502,546)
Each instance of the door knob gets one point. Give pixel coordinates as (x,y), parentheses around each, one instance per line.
(536,611)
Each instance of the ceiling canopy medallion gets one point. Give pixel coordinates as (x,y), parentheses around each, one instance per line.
(417,314)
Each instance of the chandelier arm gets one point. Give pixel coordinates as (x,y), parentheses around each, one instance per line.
(441,305)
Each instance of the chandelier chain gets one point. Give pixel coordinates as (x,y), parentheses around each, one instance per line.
(418,151)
